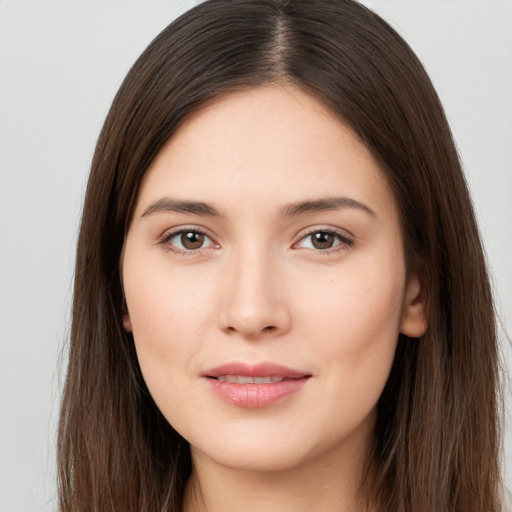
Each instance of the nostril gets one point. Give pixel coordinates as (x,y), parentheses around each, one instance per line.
(269,328)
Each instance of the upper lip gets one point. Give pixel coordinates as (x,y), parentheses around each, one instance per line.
(265,369)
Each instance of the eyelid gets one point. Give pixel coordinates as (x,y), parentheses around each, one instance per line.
(346,239)
(169,234)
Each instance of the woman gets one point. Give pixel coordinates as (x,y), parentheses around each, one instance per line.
(281,299)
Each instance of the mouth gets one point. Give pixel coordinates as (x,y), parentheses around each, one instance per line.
(255,386)
(246,379)
(247,373)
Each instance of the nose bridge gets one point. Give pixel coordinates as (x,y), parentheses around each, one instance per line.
(254,304)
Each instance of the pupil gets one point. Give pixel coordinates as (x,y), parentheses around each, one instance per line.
(192,240)
(322,240)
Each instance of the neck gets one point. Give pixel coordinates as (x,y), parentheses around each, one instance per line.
(327,482)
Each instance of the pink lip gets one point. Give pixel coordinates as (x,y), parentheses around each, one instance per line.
(256,370)
(255,395)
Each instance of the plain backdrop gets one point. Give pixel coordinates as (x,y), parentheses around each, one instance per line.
(60,66)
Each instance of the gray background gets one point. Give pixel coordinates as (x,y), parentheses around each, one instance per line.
(60,65)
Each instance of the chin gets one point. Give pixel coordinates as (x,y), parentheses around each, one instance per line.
(284,447)
(254,457)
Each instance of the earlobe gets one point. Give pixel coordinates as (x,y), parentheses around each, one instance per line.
(127,323)
(414,316)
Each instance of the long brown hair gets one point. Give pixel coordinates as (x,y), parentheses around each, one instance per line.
(436,445)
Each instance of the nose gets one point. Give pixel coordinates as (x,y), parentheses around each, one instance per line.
(255,301)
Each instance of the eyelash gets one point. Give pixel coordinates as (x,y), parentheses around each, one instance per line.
(343,241)
(167,237)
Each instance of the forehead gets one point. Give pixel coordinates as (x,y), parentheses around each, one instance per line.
(269,144)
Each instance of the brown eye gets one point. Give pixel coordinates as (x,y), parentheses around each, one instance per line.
(192,240)
(322,240)
(188,241)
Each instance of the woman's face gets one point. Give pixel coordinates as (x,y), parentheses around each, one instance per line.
(265,282)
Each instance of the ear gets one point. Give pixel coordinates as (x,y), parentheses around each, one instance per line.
(127,323)
(414,316)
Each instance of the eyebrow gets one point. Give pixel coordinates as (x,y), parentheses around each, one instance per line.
(167,204)
(324,204)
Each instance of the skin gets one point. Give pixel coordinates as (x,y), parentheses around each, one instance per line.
(256,288)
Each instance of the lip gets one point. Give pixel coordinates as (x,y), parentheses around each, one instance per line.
(255,395)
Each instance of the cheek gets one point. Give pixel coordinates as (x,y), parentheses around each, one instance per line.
(162,303)
(357,307)
(168,318)
(354,323)
(354,334)
(168,314)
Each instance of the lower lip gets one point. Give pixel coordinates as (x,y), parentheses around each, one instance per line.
(255,395)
